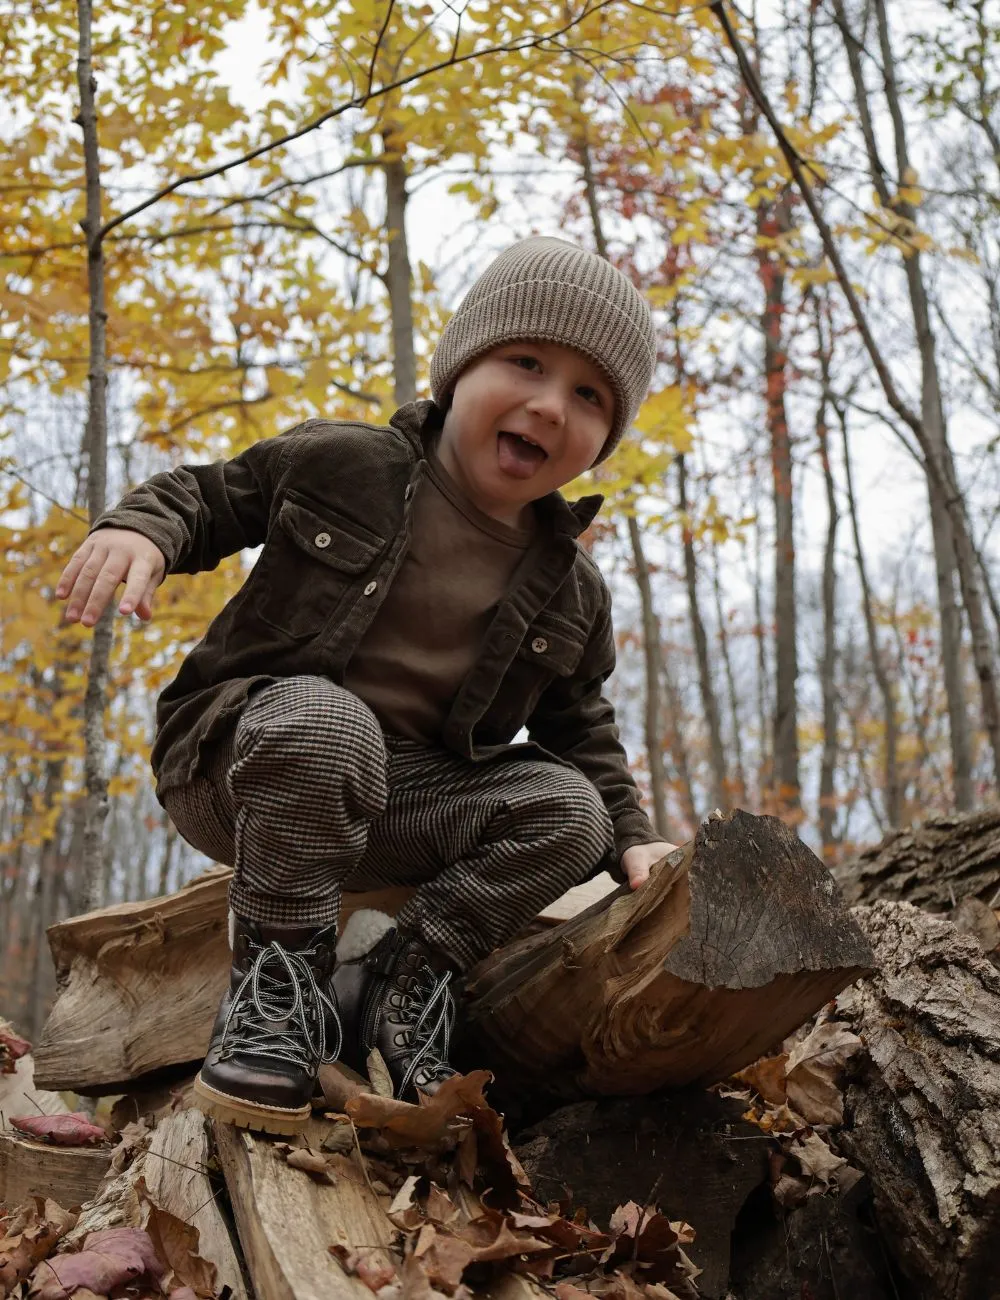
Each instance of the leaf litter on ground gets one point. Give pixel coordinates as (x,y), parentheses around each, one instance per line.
(73,1130)
(792,1094)
(464,1210)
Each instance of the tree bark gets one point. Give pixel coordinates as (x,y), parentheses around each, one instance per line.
(398,279)
(931,405)
(923,1114)
(719,793)
(828,667)
(95,698)
(734,941)
(652,656)
(652,647)
(773,219)
(892,794)
(934,865)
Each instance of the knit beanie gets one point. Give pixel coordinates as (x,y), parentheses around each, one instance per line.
(546,289)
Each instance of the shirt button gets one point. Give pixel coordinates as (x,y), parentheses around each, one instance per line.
(539,645)
(322,540)
(371,588)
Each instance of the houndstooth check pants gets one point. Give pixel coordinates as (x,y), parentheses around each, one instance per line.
(306,797)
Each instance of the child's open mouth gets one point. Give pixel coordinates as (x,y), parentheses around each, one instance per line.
(519,456)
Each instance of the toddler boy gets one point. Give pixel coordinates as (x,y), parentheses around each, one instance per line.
(348,720)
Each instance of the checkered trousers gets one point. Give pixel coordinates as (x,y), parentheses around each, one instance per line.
(307,797)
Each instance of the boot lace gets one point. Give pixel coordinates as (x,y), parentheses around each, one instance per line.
(280,1011)
(429,1014)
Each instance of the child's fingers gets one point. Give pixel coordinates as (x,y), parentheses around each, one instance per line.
(145,606)
(113,568)
(68,576)
(138,584)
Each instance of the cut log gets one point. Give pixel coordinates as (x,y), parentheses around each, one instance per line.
(139,986)
(735,940)
(140,983)
(287,1221)
(67,1175)
(690,1152)
(173,1162)
(923,1116)
(934,865)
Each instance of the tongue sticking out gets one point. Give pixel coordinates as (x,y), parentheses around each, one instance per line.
(516,457)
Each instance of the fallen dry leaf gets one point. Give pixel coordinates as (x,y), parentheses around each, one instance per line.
(30,1233)
(312,1163)
(74,1130)
(767,1077)
(340,1139)
(415,1284)
(436,1123)
(176,1246)
(814,1068)
(108,1260)
(12,1048)
(378,1074)
(816,1158)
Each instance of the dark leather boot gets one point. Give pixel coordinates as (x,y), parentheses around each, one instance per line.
(277,1022)
(398,998)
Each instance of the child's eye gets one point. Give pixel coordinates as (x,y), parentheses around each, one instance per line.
(526,362)
(590,395)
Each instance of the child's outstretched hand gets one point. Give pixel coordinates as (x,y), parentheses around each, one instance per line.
(637,860)
(108,557)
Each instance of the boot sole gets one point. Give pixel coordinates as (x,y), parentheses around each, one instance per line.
(279,1120)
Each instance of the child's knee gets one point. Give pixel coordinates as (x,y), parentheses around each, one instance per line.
(579,810)
(310,724)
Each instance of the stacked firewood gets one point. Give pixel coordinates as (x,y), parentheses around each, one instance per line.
(725,1084)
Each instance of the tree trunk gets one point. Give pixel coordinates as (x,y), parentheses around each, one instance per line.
(934,865)
(923,1114)
(398,279)
(773,219)
(719,793)
(652,655)
(941,471)
(95,698)
(828,667)
(651,643)
(892,794)
(734,941)
(733,697)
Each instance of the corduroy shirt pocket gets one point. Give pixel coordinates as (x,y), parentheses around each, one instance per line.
(312,562)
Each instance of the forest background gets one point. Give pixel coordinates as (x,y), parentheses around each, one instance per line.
(228,221)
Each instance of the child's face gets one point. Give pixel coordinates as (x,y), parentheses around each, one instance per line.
(525,419)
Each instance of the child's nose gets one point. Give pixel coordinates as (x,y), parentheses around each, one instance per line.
(549,403)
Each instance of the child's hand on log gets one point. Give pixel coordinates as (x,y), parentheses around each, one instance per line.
(637,860)
(108,557)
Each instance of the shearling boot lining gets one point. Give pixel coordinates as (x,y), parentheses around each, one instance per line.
(362,932)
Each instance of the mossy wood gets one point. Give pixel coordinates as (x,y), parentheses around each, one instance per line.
(735,940)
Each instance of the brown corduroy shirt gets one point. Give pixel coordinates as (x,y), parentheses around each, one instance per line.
(331,502)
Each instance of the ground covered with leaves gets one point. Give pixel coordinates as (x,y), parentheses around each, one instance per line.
(443,1172)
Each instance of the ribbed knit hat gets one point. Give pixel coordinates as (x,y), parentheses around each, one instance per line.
(544,288)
